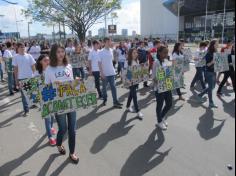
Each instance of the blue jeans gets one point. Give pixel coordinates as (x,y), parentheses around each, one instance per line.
(79,72)
(121,66)
(10,82)
(111,81)
(1,72)
(211,81)
(199,77)
(62,129)
(97,82)
(161,98)
(49,125)
(24,102)
(133,96)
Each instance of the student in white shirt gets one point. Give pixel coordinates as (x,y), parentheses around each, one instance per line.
(7,55)
(24,68)
(122,51)
(60,71)
(94,67)
(34,50)
(178,55)
(108,73)
(70,49)
(133,61)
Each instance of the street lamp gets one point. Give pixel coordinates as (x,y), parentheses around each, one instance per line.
(223,28)
(205,35)
(29,23)
(180,5)
(19,21)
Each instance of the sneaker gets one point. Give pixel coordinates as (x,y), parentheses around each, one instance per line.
(130,109)
(165,122)
(162,126)
(199,99)
(52,141)
(53,131)
(140,115)
(212,105)
(117,106)
(104,103)
(26,114)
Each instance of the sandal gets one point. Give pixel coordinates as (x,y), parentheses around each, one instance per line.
(73,159)
(61,150)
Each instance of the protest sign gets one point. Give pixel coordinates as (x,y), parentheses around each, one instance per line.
(178,75)
(67,97)
(9,66)
(221,62)
(134,75)
(188,56)
(78,60)
(165,79)
(30,88)
(201,62)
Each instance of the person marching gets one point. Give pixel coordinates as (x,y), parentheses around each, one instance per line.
(199,67)
(121,51)
(58,72)
(41,65)
(78,72)
(210,74)
(133,61)
(177,55)
(94,66)
(228,74)
(143,55)
(165,97)
(108,73)
(24,68)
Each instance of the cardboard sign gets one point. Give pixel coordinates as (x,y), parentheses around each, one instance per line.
(165,79)
(67,97)
(9,66)
(30,88)
(134,75)
(178,75)
(221,62)
(78,60)
(188,56)
(201,59)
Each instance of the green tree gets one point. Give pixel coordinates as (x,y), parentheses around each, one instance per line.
(78,15)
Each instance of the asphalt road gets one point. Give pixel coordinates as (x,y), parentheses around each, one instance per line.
(199,141)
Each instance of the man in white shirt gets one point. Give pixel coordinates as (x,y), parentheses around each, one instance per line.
(34,50)
(94,67)
(8,58)
(24,68)
(108,73)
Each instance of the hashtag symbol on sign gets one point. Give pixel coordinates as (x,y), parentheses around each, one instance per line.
(27,86)
(48,93)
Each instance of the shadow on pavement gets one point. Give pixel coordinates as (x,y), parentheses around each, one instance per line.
(146,157)
(5,123)
(116,131)
(229,108)
(7,168)
(61,168)
(206,125)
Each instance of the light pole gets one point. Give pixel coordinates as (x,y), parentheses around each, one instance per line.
(29,23)
(180,5)
(205,34)
(223,25)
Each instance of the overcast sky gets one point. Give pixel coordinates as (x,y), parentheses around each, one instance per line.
(129,18)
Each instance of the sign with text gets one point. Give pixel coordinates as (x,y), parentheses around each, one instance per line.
(67,97)
(221,62)
(112,29)
(78,60)
(134,75)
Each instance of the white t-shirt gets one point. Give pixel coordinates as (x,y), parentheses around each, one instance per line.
(7,54)
(59,73)
(175,56)
(106,59)
(24,64)
(121,57)
(95,59)
(35,52)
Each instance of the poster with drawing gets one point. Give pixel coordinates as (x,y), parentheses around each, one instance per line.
(165,79)
(188,56)
(135,74)
(67,97)
(178,75)
(201,62)
(9,66)
(78,60)
(30,88)
(221,62)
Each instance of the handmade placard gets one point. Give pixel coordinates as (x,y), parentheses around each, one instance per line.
(201,59)
(178,75)
(9,66)
(78,60)
(188,56)
(134,75)
(165,79)
(221,62)
(67,97)
(30,88)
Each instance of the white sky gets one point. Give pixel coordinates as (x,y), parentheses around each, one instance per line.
(129,18)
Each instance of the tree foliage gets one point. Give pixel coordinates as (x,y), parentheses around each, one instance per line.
(79,15)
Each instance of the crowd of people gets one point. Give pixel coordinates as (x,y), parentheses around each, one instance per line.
(105,63)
